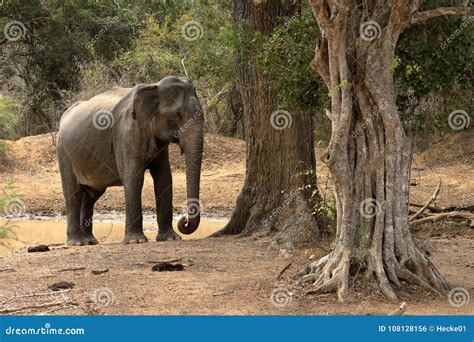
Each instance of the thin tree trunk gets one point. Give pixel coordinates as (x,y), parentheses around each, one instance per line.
(280,175)
(369,153)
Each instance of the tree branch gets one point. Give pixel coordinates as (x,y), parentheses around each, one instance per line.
(432,198)
(438,217)
(320,63)
(421,17)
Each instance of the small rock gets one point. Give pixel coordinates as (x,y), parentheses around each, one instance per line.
(167,267)
(100,271)
(38,248)
(62,285)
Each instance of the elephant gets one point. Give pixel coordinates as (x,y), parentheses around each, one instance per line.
(113,138)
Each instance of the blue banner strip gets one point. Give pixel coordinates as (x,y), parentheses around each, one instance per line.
(237,328)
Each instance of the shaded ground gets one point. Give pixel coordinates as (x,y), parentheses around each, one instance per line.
(221,276)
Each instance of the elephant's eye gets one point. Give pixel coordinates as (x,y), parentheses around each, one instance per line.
(180,116)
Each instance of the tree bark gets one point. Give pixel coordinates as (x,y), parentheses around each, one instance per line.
(277,196)
(369,154)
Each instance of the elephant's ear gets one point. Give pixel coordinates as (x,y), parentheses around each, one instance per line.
(144,101)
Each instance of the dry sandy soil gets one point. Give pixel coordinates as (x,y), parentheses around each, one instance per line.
(220,276)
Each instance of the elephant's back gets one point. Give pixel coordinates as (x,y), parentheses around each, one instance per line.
(108,98)
(103,102)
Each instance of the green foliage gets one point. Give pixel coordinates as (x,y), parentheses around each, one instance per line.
(162,49)
(8,118)
(146,63)
(73,50)
(58,36)
(435,60)
(286,56)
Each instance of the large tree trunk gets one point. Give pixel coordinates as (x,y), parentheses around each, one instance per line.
(369,153)
(280,175)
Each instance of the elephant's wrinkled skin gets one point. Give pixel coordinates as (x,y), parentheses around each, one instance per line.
(111,139)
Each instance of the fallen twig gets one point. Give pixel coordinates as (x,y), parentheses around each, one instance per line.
(72,269)
(7,270)
(432,198)
(99,271)
(400,310)
(445,209)
(439,217)
(222,293)
(164,261)
(42,294)
(39,306)
(284,270)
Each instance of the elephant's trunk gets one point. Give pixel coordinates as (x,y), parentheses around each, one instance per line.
(193,146)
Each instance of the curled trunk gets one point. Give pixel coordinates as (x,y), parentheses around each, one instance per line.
(193,147)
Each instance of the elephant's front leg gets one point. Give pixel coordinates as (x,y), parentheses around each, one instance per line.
(133,184)
(162,180)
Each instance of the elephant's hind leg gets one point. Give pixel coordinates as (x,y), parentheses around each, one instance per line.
(74,194)
(89,197)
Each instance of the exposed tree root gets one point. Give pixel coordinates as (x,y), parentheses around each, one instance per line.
(331,274)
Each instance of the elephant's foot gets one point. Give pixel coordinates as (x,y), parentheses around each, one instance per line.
(167,235)
(132,238)
(82,240)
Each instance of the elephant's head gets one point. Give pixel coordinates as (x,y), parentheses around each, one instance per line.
(171,110)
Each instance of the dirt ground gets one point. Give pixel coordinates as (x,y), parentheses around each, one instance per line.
(220,276)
